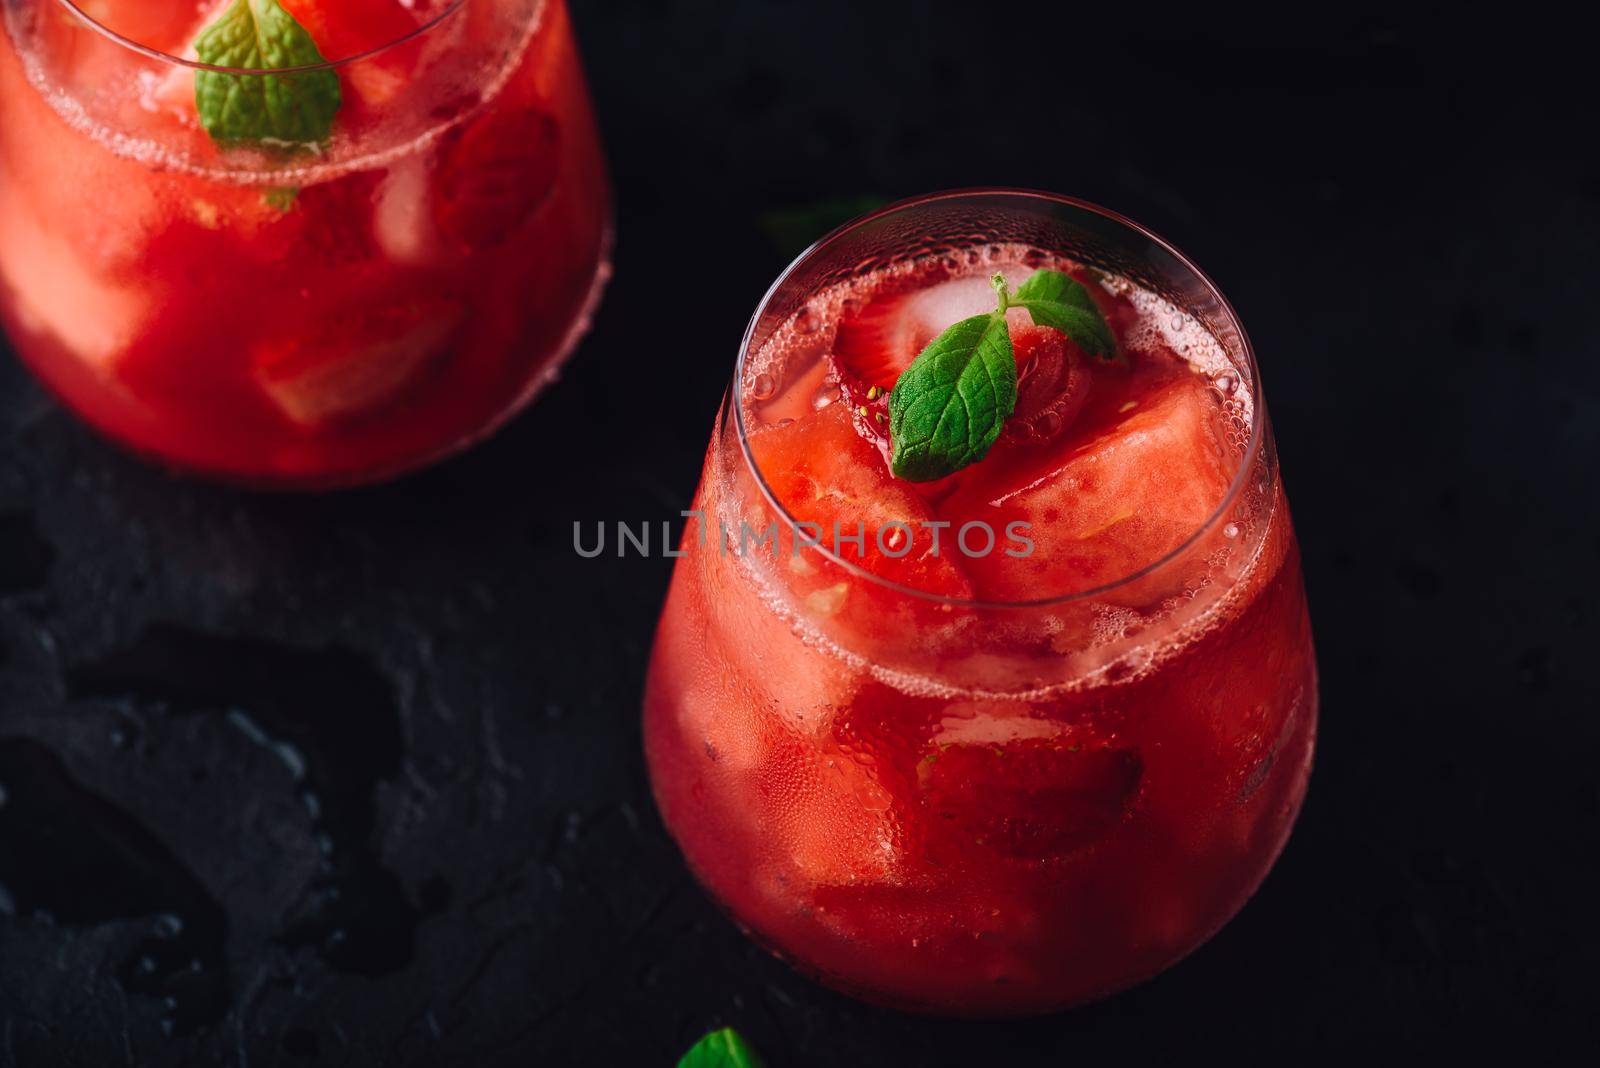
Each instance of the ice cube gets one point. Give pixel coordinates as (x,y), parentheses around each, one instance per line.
(937,307)
(402,221)
(57,294)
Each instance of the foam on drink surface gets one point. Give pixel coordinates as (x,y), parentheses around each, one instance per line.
(787,374)
(143,109)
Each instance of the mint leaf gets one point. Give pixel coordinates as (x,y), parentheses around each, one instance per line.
(721,1049)
(1059,301)
(950,405)
(279,110)
(281,198)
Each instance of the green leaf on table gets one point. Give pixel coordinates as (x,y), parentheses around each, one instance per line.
(1063,303)
(721,1049)
(272,110)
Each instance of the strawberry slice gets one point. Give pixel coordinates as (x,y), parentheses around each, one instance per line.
(823,472)
(494,174)
(1109,506)
(1052,383)
(345,28)
(358,364)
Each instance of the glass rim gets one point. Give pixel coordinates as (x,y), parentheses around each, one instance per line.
(822,244)
(194,64)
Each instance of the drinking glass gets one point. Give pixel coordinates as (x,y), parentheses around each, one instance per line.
(298,315)
(976,806)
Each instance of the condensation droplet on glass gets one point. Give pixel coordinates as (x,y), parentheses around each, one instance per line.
(825,396)
(763,387)
(1034,258)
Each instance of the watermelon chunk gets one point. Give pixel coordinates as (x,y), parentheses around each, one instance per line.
(56,293)
(823,472)
(1111,505)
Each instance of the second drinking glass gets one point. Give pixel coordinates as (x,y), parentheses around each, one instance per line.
(302,279)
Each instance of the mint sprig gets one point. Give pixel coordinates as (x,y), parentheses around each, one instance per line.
(950,405)
(721,1049)
(271,110)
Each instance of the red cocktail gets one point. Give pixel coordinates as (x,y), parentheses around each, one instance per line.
(1051,755)
(307,279)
